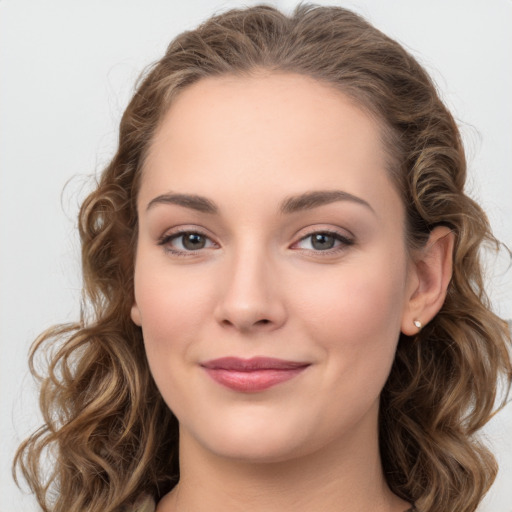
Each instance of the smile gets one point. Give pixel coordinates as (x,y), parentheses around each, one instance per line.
(252,375)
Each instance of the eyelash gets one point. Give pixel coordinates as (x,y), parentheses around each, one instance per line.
(165,241)
(345,242)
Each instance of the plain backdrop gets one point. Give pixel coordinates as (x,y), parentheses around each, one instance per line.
(67,70)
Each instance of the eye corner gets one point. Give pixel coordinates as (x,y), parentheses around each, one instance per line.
(324,242)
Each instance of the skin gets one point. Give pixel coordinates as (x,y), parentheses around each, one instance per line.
(259,286)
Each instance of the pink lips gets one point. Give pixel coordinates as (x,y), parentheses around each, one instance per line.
(252,375)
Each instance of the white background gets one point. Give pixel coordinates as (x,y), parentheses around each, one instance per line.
(67,69)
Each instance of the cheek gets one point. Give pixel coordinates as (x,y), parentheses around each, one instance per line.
(354,314)
(174,311)
(173,308)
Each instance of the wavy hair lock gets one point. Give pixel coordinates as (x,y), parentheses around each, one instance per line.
(113,438)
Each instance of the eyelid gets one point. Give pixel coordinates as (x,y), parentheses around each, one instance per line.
(174,233)
(346,239)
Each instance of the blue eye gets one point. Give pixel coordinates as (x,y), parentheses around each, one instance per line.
(324,241)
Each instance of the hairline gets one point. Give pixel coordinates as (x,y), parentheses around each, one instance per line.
(389,139)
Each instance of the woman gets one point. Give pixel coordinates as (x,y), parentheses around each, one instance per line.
(281,253)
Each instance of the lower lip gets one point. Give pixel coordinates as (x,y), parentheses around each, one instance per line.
(255,380)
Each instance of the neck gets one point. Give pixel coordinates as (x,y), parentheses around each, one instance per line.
(342,476)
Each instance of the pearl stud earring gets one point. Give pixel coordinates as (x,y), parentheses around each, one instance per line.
(418,324)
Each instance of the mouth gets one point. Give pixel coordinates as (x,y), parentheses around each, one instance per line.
(252,375)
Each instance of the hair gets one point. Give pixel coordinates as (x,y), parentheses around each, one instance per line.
(112,437)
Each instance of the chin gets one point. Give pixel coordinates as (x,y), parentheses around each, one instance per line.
(255,441)
(261,451)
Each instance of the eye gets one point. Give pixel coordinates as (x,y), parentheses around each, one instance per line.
(323,241)
(186,241)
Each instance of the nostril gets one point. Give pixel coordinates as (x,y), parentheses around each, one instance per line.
(264,321)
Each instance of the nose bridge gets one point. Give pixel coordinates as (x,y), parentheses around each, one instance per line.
(250,297)
(251,268)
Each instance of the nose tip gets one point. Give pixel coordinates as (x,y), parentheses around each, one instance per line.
(248,322)
(250,299)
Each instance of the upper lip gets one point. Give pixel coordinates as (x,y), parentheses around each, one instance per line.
(252,364)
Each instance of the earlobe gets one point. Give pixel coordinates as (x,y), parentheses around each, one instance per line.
(433,271)
(135,315)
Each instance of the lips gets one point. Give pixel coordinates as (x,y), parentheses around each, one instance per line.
(252,375)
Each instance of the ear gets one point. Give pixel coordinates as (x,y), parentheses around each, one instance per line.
(429,277)
(135,314)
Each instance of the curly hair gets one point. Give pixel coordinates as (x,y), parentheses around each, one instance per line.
(112,437)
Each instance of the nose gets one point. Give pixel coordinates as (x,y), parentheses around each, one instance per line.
(250,299)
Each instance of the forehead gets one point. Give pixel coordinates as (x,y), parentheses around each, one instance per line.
(270,134)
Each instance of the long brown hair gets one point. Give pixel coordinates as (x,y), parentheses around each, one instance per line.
(112,437)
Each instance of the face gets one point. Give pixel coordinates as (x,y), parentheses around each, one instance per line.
(271,275)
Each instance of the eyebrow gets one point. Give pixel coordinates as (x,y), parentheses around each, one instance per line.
(199,203)
(293,204)
(316,198)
